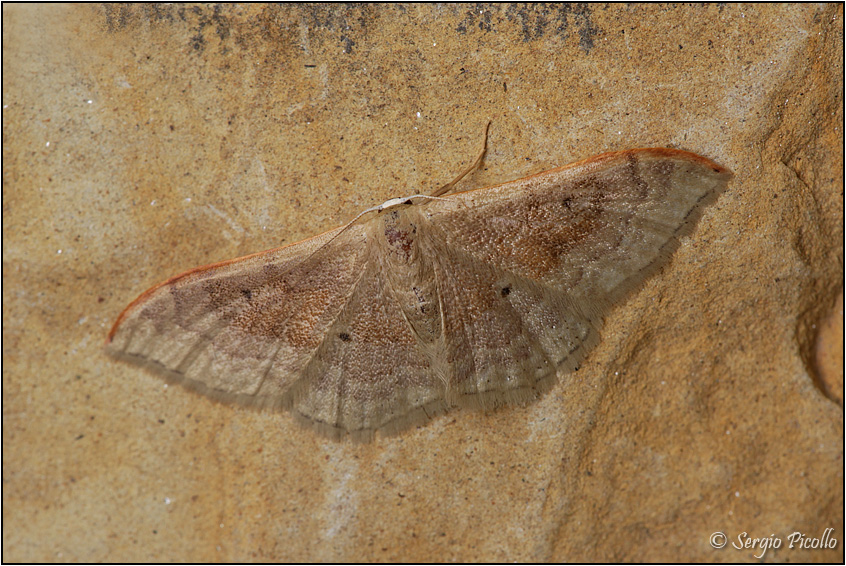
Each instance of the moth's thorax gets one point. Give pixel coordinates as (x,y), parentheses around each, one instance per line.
(398,231)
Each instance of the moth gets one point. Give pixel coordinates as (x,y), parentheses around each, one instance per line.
(473,299)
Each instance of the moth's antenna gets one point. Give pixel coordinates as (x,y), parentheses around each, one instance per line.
(434,196)
(448,187)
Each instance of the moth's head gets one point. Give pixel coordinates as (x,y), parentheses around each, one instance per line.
(394,202)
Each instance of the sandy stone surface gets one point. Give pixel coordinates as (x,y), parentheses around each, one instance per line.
(141,141)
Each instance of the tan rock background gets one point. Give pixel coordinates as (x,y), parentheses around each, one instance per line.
(139,141)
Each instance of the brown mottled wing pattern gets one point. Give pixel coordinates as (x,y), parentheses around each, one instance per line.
(311,327)
(475,299)
(528,268)
(243,330)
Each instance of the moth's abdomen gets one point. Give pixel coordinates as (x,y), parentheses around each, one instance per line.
(409,271)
